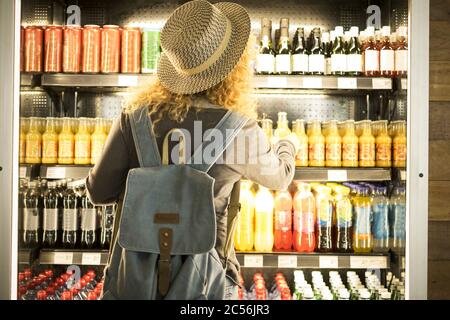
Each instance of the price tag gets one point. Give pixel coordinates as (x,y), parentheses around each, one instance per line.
(347,83)
(277,82)
(381,83)
(56,173)
(403,175)
(63,257)
(22,172)
(368,262)
(328,262)
(127,81)
(91,258)
(253,260)
(404,83)
(287,261)
(337,175)
(312,83)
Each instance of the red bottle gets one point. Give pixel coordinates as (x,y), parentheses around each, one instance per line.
(283,221)
(304,219)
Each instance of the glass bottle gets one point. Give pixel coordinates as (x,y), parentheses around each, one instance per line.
(66,143)
(333,146)
(283,52)
(33,142)
(317,56)
(366,146)
(350,146)
(338,57)
(371,55)
(401,53)
(83,143)
(387,54)
(50,142)
(400,147)
(265,60)
(301,158)
(354,56)
(316,142)
(98,140)
(300,53)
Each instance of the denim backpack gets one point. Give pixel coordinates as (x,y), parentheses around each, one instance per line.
(164,248)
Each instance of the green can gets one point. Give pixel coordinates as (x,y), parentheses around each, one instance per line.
(151,50)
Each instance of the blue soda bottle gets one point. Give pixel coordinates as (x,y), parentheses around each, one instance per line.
(380,224)
(397,220)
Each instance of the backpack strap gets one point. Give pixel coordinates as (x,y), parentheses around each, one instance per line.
(144,140)
(234,207)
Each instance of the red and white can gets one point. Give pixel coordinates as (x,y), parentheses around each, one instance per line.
(110,51)
(22,47)
(90,61)
(131,50)
(72,49)
(53,48)
(34,49)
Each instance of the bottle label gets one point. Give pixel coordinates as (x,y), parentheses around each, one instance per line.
(70,221)
(50,219)
(366,151)
(66,148)
(300,63)
(283,220)
(338,63)
(97,148)
(317,151)
(325,213)
(380,227)
(33,148)
(50,149)
(304,222)
(350,152)
(317,63)
(283,63)
(354,63)
(82,148)
(398,222)
(333,152)
(265,63)
(372,60)
(384,151)
(30,219)
(401,60)
(362,220)
(302,154)
(344,213)
(264,222)
(387,60)
(88,219)
(399,152)
(327,66)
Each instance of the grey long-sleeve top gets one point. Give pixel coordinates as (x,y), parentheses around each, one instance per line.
(272,167)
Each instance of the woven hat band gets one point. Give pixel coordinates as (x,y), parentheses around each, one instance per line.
(214,57)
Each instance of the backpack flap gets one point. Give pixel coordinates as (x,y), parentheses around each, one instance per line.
(176,199)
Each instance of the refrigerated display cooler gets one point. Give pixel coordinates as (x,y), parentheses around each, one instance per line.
(311,97)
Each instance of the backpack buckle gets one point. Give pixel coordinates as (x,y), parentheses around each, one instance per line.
(165,246)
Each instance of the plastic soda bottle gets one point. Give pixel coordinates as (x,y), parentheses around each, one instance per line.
(350,145)
(50,224)
(380,225)
(397,220)
(244,234)
(283,220)
(264,205)
(282,129)
(383,146)
(333,144)
(50,142)
(33,142)
(324,222)
(366,146)
(343,219)
(316,142)
(83,143)
(24,126)
(399,142)
(31,215)
(70,217)
(66,143)
(362,236)
(304,219)
(301,158)
(98,140)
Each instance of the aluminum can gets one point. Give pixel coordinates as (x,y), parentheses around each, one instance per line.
(34,49)
(150,50)
(131,50)
(90,60)
(53,49)
(72,48)
(110,50)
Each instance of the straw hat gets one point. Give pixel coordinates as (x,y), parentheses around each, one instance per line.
(201,44)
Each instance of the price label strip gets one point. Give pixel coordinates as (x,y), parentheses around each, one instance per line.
(56,173)
(312,83)
(347,83)
(287,261)
(277,82)
(381,83)
(253,260)
(368,262)
(337,175)
(63,258)
(91,258)
(127,81)
(328,262)
(22,172)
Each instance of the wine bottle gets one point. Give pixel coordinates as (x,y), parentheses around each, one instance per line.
(317,56)
(300,53)
(265,60)
(283,52)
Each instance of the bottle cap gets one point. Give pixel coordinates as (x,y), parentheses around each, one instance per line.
(308,293)
(385,295)
(344,294)
(364,294)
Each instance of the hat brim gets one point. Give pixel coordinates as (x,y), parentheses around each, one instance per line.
(190,84)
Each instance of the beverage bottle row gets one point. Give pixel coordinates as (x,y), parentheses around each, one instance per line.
(348,144)
(48,286)
(357,218)
(258,291)
(60,215)
(350,53)
(62,140)
(91,49)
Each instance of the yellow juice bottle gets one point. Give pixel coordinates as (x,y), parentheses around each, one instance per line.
(362,234)
(66,143)
(264,206)
(33,142)
(301,158)
(333,145)
(316,142)
(282,129)
(267,127)
(366,146)
(50,142)
(244,234)
(383,146)
(400,145)
(98,140)
(83,143)
(24,126)
(350,146)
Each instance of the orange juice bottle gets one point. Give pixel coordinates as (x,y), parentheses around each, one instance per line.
(282,129)
(316,146)
(264,206)
(366,146)
(108,125)
(400,141)
(301,158)
(350,146)
(267,126)
(50,142)
(383,146)
(98,139)
(244,234)
(333,143)
(24,125)
(66,143)
(83,143)
(33,142)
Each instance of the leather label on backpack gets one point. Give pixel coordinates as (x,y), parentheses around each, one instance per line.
(166,218)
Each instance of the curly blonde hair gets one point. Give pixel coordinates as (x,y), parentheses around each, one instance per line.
(233,93)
